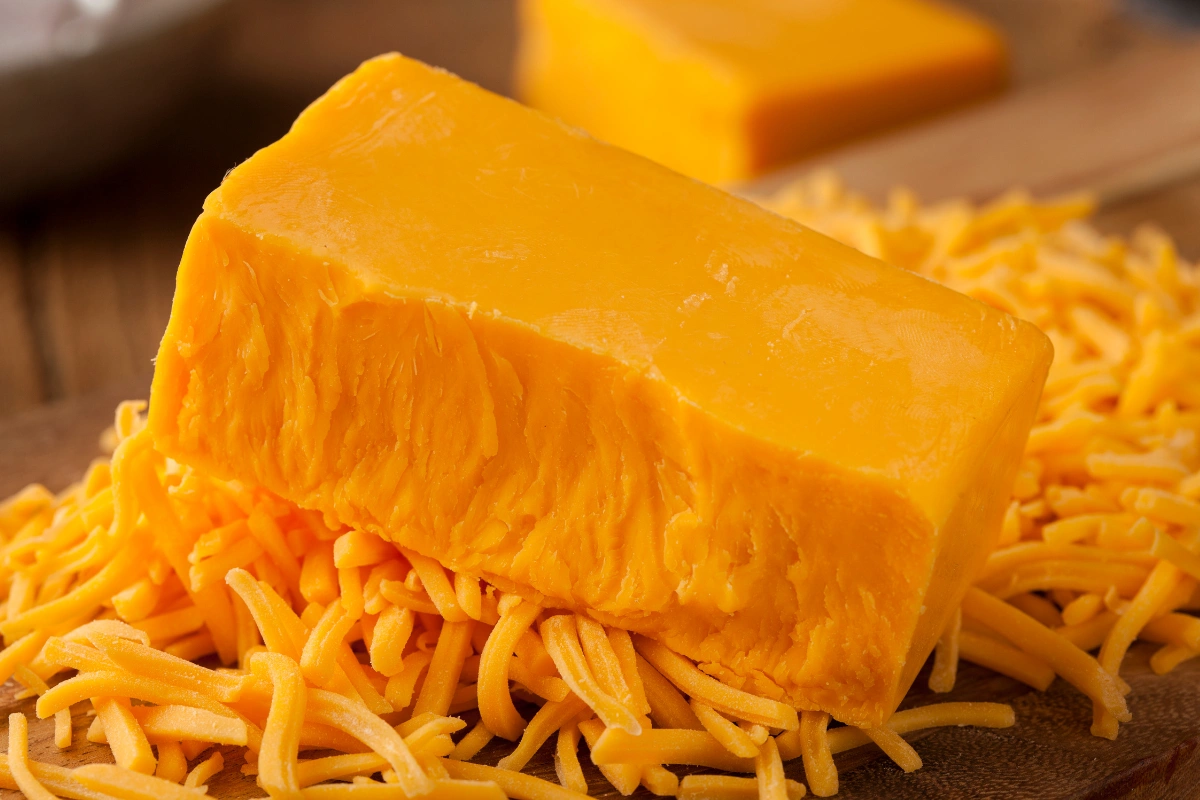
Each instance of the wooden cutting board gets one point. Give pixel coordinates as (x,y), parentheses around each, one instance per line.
(1133,126)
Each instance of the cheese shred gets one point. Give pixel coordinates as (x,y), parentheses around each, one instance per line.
(18,760)
(814,750)
(495,702)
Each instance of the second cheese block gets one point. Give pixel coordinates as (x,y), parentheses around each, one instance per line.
(433,314)
(726,89)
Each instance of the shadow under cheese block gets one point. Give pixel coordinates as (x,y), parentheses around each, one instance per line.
(436,315)
(724,90)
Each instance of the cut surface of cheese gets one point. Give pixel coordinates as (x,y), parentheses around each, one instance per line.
(438,316)
(725,89)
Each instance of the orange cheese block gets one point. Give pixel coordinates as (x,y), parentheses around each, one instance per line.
(439,316)
(725,89)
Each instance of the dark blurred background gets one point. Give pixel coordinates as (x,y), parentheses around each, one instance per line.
(87,257)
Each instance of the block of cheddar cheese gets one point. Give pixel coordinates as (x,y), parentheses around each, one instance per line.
(433,314)
(723,90)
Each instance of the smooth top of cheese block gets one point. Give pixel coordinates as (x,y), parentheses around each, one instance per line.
(778,45)
(433,313)
(427,187)
(722,89)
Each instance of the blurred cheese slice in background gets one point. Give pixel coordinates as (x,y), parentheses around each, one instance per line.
(439,316)
(723,90)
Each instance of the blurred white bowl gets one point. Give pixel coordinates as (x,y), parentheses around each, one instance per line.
(83,80)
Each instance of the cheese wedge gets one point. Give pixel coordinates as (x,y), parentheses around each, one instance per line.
(723,90)
(438,316)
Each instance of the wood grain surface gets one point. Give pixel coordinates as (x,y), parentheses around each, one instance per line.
(1116,130)
(1049,754)
(20,367)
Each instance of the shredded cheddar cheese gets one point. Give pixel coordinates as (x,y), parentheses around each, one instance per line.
(469,746)
(896,748)
(731,737)
(625,775)
(819,768)
(124,735)
(116,781)
(560,634)
(615,747)
(204,771)
(166,724)
(445,668)
(319,657)
(146,566)
(566,759)
(981,649)
(495,702)
(550,718)
(729,787)
(172,763)
(393,627)
(945,657)
(62,719)
(769,770)
(277,758)
(18,760)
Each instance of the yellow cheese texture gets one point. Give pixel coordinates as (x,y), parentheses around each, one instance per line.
(723,90)
(433,314)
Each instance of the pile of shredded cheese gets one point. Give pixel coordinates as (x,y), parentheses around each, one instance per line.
(1099,543)
(344,667)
